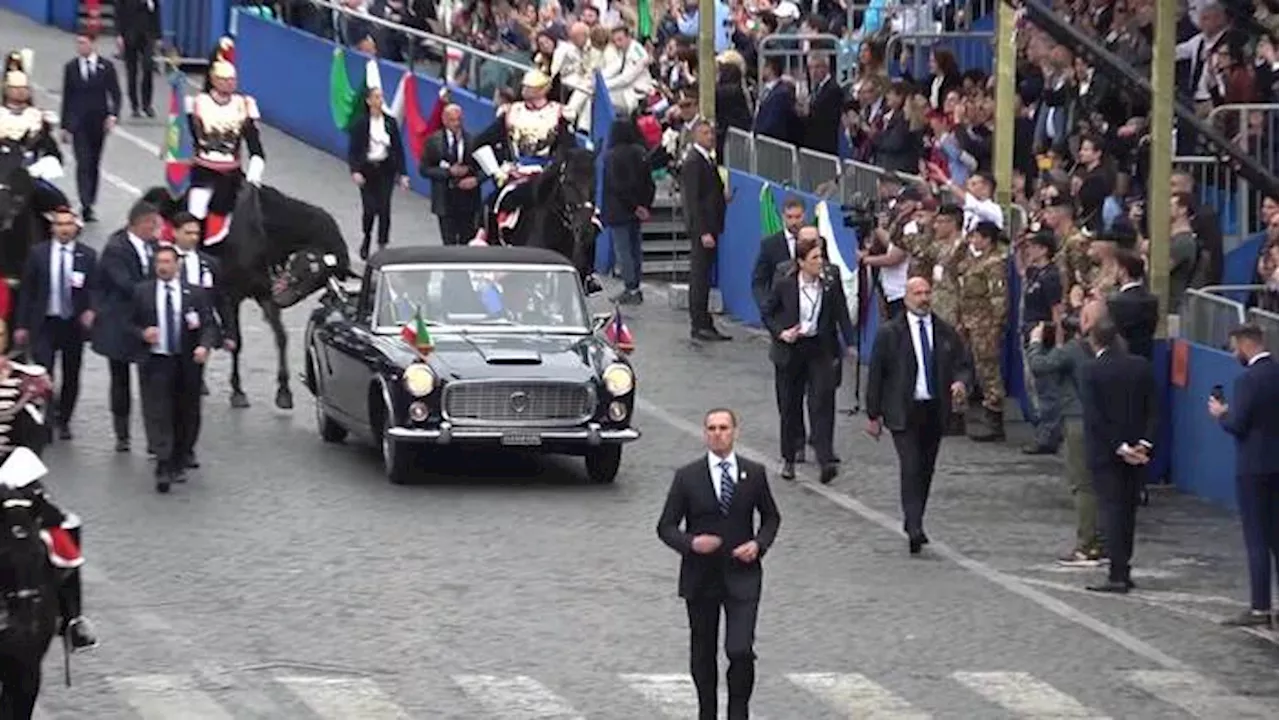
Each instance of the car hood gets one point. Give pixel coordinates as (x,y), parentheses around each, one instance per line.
(500,356)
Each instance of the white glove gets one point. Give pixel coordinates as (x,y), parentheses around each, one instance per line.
(46,168)
(256,166)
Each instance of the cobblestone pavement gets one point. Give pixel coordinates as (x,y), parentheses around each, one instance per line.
(289,580)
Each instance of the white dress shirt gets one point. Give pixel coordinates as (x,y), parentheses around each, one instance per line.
(144,255)
(87,66)
(913,325)
(163,319)
(190,261)
(379,140)
(713,461)
(810,305)
(1258,357)
(62,263)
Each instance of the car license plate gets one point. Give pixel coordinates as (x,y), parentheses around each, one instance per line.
(521,438)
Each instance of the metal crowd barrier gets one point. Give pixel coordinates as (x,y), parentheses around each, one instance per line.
(959,14)
(1208,318)
(1270,324)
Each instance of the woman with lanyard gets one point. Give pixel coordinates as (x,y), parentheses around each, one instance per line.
(375,156)
(807,314)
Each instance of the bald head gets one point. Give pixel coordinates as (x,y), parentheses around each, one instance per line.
(919,297)
(451,117)
(578,33)
(1091,313)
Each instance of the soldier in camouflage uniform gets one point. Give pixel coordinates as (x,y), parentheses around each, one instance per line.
(941,264)
(984,304)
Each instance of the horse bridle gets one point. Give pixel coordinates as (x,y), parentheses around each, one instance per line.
(568,213)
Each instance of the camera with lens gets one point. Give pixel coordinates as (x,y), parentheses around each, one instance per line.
(860,214)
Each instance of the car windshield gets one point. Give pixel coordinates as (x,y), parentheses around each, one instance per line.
(544,297)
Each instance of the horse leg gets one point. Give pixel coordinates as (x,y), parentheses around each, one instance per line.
(272,312)
(231,322)
(21,689)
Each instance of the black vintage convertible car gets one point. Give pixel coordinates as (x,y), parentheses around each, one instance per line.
(515,359)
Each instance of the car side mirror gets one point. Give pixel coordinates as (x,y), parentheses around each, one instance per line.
(600,321)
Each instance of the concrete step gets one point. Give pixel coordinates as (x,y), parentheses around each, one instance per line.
(665,246)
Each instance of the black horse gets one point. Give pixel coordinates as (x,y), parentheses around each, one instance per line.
(278,251)
(20,225)
(556,210)
(29,613)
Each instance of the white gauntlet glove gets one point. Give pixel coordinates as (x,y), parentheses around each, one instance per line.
(254,174)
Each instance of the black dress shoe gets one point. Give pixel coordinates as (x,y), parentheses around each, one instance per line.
(88,215)
(149,112)
(135,114)
(192,462)
(122,444)
(800,456)
(1111,586)
(788,470)
(64,433)
(178,476)
(704,334)
(829,472)
(914,545)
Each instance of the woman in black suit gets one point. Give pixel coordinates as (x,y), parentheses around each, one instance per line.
(807,313)
(375,155)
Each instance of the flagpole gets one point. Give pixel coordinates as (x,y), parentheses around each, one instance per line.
(707,59)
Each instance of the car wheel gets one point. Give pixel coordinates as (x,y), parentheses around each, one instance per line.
(603,463)
(330,431)
(397,458)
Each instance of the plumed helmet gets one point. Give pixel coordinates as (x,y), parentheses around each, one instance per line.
(17,68)
(226,49)
(536,79)
(16,79)
(223,70)
(13,61)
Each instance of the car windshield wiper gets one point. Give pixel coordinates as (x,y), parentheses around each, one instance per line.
(495,321)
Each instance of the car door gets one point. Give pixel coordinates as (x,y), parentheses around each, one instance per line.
(354,357)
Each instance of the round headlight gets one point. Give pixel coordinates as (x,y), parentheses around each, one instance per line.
(618,379)
(419,380)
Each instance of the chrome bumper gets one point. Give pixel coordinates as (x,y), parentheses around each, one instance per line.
(447,434)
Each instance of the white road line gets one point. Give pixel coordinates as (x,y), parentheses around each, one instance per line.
(164,697)
(516,698)
(343,698)
(674,695)
(1022,694)
(807,480)
(1197,695)
(857,697)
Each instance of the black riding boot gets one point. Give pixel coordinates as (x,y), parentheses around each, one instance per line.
(70,606)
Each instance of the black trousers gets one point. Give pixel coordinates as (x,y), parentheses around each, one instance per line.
(739,647)
(375,200)
(121,393)
(87,143)
(1119,489)
(779,391)
(63,338)
(701,260)
(171,406)
(811,374)
(138,58)
(917,449)
(458,229)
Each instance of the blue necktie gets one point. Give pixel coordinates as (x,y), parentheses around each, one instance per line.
(926,354)
(171,320)
(726,487)
(62,278)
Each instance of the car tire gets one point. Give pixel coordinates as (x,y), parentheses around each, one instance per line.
(330,431)
(397,457)
(603,463)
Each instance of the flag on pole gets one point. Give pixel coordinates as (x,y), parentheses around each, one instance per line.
(617,333)
(416,334)
(407,110)
(770,218)
(177,147)
(644,19)
(848,272)
(342,98)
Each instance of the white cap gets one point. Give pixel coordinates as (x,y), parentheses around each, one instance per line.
(22,468)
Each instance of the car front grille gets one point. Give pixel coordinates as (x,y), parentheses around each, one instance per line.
(518,402)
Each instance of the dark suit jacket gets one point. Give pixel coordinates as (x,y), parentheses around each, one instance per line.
(1251,418)
(33,301)
(136,22)
(358,144)
(773,252)
(193,298)
(822,127)
(1118,400)
(891,378)
(86,104)
(217,295)
(895,147)
(1135,313)
(702,194)
(628,184)
(782,310)
(447,199)
(119,272)
(776,116)
(692,500)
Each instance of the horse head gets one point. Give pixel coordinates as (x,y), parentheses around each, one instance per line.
(17,189)
(304,246)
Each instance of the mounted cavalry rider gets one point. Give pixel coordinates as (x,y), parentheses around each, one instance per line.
(221,121)
(23,127)
(22,434)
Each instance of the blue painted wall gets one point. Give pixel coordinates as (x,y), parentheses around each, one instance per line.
(37,10)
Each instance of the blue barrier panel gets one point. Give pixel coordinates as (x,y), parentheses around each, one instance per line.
(1204,458)
(1159,467)
(65,14)
(738,247)
(194,26)
(37,10)
(1240,266)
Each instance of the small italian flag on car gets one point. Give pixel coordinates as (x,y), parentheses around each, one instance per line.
(415,333)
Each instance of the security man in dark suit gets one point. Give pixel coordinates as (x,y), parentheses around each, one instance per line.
(1251,420)
(55,309)
(778,251)
(455,184)
(807,314)
(175,322)
(703,195)
(1118,400)
(200,269)
(126,261)
(919,369)
(90,105)
(717,497)
(1133,308)
(138,25)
